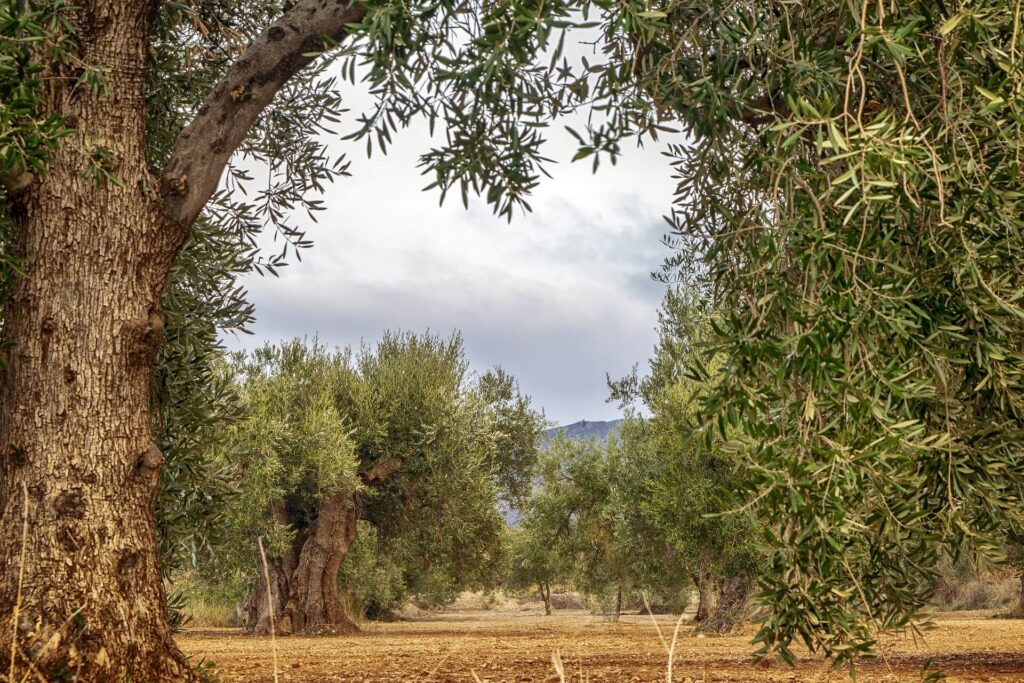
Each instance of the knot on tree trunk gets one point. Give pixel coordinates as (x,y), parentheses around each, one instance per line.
(147,467)
(144,335)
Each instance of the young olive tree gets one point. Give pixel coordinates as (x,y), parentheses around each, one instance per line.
(575,525)
(686,490)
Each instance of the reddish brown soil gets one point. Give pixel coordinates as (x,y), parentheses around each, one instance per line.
(519,647)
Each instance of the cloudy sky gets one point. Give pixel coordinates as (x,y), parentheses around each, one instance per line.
(558,298)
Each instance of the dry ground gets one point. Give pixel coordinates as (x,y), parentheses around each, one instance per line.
(518,647)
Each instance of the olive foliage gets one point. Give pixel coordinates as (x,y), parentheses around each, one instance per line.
(851,202)
(424,446)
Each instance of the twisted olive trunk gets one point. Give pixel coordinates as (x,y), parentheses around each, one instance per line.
(304,582)
(707,596)
(732,605)
(79,465)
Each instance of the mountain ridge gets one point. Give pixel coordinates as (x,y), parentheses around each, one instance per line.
(585,429)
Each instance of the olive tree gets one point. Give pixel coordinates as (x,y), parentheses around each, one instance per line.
(399,436)
(126,128)
(851,201)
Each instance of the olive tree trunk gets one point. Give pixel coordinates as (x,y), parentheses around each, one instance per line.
(78,460)
(732,605)
(707,596)
(303,592)
(80,582)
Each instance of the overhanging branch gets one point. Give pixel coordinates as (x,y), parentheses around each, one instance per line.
(228,113)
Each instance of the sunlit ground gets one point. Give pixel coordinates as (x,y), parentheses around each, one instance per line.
(490,646)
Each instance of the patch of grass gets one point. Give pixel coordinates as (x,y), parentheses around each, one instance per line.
(194,605)
(204,612)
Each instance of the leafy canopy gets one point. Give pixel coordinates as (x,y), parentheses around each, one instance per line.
(851,202)
(421,446)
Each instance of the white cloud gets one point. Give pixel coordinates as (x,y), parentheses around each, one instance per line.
(559,297)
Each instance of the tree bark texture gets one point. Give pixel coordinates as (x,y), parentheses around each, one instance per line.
(304,582)
(732,605)
(78,460)
(545,595)
(82,328)
(707,596)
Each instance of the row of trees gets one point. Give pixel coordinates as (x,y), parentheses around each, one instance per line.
(374,475)
(653,513)
(849,196)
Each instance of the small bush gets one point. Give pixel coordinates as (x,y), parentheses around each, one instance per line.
(997,590)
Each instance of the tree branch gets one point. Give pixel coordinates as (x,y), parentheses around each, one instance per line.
(232,107)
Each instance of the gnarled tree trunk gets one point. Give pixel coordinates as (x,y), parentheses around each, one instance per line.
(545,595)
(78,461)
(78,458)
(304,583)
(733,603)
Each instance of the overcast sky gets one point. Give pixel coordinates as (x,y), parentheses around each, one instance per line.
(558,298)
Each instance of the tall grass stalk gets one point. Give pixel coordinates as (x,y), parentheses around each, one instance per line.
(270,604)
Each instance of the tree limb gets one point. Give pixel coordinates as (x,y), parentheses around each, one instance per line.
(232,107)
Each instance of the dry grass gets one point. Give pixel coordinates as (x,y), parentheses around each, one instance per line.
(992,591)
(202,612)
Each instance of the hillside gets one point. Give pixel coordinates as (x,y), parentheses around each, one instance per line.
(584,429)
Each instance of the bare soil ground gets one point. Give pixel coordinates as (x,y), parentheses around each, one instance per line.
(489,646)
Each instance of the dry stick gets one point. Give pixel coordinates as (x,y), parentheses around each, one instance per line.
(32,669)
(21,578)
(270,604)
(54,641)
(647,605)
(672,650)
(556,662)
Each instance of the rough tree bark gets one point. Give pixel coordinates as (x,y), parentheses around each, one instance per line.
(707,596)
(304,583)
(84,326)
(733,603)
(78,459)
(545,595)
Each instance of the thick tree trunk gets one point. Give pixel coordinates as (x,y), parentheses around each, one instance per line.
(78,459)
(304,583)
(732,606)
(707,596)
(268,601)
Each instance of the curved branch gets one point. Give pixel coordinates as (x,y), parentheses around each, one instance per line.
(232,107)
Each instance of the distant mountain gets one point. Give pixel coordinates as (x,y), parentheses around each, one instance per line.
(585,429)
